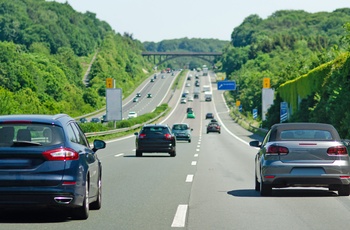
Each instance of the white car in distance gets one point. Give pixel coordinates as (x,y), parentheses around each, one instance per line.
(132,114)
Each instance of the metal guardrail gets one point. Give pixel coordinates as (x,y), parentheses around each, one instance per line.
(114,131)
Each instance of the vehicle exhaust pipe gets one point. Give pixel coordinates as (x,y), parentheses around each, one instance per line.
(63,200)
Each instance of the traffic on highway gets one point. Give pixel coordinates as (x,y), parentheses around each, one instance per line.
(208,184)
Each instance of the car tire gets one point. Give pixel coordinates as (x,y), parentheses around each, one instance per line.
(344,190)
(265,189)
(82,213)
(189,141)
(173,154)
(257,184)
(138,153)
(207,132)
(96,205)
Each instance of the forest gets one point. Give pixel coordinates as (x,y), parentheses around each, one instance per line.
(283,47)
(46,49)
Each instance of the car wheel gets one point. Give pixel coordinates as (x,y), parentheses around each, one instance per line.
(207,132)
(257,184)
(138,153)
(173,154)
(82,213)
(189,140)
(96,205)
(265,189)
(344,190)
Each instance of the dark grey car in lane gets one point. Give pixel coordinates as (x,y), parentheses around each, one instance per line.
(302,155)
(182,131)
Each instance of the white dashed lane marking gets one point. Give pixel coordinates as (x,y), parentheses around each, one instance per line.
(180,216)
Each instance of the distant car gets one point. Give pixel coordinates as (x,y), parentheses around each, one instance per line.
(191,115)
(132,114)
(163,76)
(183,101)
(149,95)
(302,155)
(83,120)
(138,95)
(155,76)
(213,127)
(209,116)
(189,109)
(104,118)
(47,163)
(152,80)
(155,138)
(95,120)
(190,98)
(182,131)
(188,84)
(136,99)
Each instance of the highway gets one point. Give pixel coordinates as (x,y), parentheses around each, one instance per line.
(208,185)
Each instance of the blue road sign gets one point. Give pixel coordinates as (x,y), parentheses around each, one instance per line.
(283,111)
(226,85)
(255,113)
(240,108)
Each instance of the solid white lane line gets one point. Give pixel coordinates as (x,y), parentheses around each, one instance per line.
(189,178)
(195,155)
(194,163)
(180,216)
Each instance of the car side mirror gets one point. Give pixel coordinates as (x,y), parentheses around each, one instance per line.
(99,144)
(255,144)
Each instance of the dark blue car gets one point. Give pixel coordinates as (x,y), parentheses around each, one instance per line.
(46,161)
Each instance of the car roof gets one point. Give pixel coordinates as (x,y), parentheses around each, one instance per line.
(278,128)
(57,119)
(155,125)
(180,124)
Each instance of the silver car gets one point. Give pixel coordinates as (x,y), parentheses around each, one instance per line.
(302,155)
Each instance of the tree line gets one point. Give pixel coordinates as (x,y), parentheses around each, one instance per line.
(282,47)
(46,48)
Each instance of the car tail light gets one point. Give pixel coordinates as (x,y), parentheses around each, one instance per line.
(61,154)
(275,149)
(168,136)
(337,150)
(142,135)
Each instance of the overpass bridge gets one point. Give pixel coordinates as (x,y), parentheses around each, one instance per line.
(162,57)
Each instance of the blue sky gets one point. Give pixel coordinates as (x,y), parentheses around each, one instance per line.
(157,20)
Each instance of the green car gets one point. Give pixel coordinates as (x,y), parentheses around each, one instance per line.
(190,114)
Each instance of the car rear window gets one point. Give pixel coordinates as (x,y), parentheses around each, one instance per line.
(155,130)
(180,127)
(42,134)
(321,135)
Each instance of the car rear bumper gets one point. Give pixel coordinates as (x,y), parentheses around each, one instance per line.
(156,149)
(306,175)
(40,199)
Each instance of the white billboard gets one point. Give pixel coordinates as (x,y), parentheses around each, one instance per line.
(268,96)
(114,105)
